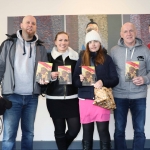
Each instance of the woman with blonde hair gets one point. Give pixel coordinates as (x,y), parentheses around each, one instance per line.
(62,99)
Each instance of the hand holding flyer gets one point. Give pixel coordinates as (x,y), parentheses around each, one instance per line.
(131,71)
(43,72)
(89,75)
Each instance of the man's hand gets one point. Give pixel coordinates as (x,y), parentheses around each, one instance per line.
(138,80)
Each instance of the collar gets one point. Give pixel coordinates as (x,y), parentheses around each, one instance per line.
(14,36)
(73,55)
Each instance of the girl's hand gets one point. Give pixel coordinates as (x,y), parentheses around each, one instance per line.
(98,84)
(81,77)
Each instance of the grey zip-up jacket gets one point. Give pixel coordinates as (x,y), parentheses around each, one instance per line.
(120,54)
(7,55)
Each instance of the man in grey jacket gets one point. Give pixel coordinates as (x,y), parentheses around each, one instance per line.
(130,94)
(19,56)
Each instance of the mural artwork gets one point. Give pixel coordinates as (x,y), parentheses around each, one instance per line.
(75,25)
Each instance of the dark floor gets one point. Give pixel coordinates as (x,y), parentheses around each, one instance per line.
(93,149)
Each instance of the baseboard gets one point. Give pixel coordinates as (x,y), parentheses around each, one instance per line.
(76,145)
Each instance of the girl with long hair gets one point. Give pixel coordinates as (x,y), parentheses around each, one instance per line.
(106,75)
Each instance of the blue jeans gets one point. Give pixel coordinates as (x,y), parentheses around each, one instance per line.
(138,112)
(23,107)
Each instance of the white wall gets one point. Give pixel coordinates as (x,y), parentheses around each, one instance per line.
(43,124)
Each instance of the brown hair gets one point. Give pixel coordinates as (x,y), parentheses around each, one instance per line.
(62,32)
(99,59)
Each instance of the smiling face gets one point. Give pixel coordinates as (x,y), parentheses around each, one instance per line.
(62,42)
(128,33)
(94,46)
(28,26)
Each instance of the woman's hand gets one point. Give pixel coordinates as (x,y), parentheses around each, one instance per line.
(81,77)
(98,84)
(54,75)
(43,82)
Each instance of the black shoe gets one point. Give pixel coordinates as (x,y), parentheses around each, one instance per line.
(69,139)
(61,143)
(105,145)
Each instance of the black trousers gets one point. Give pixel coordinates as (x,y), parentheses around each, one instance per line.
(64,138)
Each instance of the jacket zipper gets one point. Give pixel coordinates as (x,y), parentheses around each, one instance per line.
(64,85)
(35,66)
(11,62)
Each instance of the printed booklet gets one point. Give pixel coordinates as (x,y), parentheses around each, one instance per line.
(132,68)
(89,75)
(65,75)
(43,72)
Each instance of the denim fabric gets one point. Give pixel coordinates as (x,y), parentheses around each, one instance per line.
(138,112)
(23,108)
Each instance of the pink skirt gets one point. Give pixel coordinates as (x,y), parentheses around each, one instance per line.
(91,113)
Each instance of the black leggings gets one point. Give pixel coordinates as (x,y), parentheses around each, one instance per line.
(103,131)
(63,137)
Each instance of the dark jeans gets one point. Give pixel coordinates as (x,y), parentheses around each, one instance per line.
(138,112)
(23,108)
